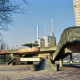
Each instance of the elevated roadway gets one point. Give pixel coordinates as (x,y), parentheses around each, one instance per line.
(69,43)
(30,50)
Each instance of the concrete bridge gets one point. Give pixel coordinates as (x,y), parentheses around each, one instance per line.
(69,43)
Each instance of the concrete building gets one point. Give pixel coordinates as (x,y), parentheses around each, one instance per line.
(49,41)
(41,42)
(76,4)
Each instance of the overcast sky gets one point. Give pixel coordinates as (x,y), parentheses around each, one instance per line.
(23,29)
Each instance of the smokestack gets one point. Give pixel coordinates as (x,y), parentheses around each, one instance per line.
(52,34)
(45,29)
(37,32)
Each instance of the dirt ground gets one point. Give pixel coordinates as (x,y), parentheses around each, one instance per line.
(23,72)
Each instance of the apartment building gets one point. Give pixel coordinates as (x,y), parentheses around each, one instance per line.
(76,4)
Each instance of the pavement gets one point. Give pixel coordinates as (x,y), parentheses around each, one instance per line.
(23,72)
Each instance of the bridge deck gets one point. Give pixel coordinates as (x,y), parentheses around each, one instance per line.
(69,37)
(30,50)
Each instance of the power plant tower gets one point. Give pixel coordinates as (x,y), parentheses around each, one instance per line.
(45,29)
(52,34)
(37,32)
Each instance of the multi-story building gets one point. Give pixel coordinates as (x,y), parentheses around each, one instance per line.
(41,42)
(76,4)
(50,41)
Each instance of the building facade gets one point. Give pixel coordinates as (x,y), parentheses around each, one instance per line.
(50,41)
(41,42)
(76,4)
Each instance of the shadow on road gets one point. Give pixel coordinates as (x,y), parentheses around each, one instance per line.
(72,65)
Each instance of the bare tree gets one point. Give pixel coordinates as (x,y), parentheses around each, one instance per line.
(7,7)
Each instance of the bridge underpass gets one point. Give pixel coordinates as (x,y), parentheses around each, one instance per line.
(69,43)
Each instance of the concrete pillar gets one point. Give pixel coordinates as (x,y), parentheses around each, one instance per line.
(61,62)
(70,58)
(12,56)
(4,57)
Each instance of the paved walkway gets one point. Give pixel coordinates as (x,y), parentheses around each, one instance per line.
(24,73)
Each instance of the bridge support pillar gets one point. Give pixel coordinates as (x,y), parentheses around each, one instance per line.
(4,57)
(70,58)
(61,62)
(12,56)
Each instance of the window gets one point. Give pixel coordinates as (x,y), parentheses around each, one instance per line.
(76,6)
(78,17)
(75,0)
(77,11)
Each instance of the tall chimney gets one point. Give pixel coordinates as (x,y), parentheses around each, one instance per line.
(45,29)
(37,32)
(52,34)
